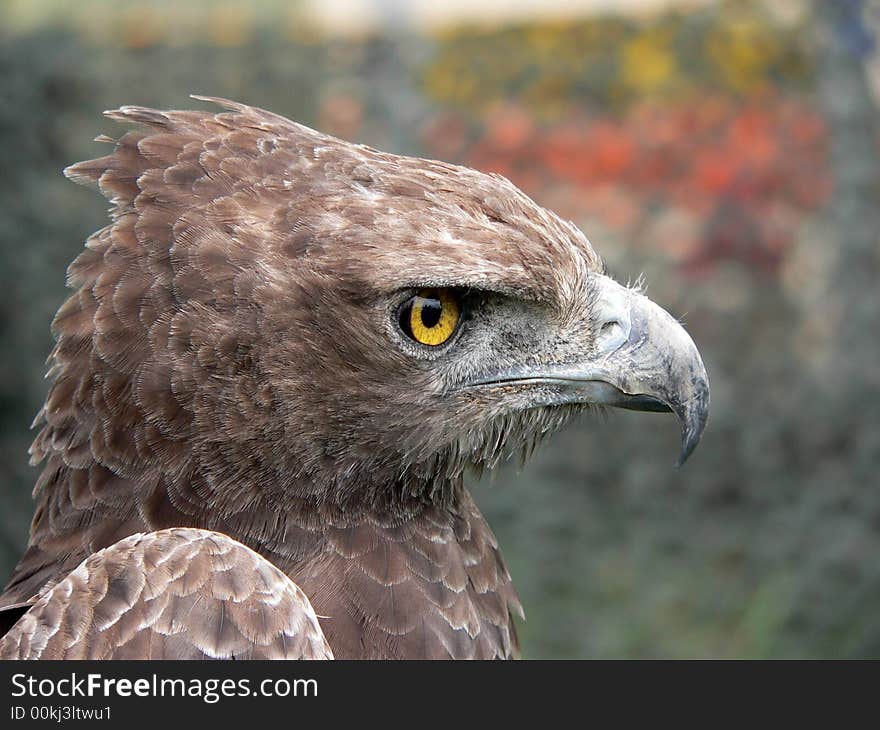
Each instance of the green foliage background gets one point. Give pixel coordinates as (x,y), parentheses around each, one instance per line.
(766,544)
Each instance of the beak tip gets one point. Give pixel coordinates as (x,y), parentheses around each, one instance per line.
(693,422)
(688,444)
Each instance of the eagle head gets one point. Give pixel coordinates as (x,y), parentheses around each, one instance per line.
(345,322)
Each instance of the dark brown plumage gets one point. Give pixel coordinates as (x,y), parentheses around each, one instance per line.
(231,360)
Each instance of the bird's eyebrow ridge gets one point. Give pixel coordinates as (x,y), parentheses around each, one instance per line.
(481,286)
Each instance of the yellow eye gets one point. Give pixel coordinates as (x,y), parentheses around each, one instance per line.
(431,316)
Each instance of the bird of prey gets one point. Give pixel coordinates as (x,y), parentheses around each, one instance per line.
(279,360)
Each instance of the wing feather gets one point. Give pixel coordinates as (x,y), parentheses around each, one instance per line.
(179,593)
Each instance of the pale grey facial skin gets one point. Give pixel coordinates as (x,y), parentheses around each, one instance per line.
(624,351)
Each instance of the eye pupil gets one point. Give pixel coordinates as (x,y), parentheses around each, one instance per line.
(431,311)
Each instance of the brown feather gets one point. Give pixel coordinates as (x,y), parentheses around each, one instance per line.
(164,595)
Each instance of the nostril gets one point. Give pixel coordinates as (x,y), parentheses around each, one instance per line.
(609,325)
(611,329)
(611,315)
(611,335)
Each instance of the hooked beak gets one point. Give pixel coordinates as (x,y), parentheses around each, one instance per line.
(641,359)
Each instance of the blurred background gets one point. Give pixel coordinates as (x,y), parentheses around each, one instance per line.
(728,150)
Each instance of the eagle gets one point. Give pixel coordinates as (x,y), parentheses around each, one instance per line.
(280,360)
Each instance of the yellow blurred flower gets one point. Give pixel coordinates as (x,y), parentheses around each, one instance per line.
(743,51)
(648,62)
